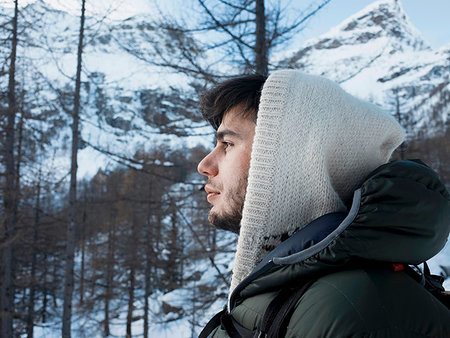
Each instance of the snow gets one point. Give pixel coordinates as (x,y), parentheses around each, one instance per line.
(368,73)
(391,54)
(118,73)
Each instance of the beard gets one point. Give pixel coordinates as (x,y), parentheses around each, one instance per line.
(231,220)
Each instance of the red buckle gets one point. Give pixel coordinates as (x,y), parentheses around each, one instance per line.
(398,267)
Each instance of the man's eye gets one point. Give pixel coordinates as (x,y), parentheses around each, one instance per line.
(227,144)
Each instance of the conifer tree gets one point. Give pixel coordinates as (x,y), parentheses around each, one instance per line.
(238,35)
(10,196)
(71,227)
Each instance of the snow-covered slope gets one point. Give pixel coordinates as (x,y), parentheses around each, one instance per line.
(121,93)
(374,54)
(378,52)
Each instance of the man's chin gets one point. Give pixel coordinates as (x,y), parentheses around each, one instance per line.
(225,222)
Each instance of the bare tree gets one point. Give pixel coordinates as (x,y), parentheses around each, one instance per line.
(242,32)
(396,103)
(109,269)
(10,198)
(261,50)
(31,302)
(70,246)
(400,118)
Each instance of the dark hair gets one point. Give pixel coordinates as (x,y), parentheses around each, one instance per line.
(245,90)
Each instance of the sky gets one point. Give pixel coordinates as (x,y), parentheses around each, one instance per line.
(430,17)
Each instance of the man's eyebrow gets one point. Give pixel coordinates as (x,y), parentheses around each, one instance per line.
(220,135)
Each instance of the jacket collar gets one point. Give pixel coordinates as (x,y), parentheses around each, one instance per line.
(400,214)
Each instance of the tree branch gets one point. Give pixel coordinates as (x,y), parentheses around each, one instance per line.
(220,25)
(240,8)
(205,249)
(207,28)
(294,26)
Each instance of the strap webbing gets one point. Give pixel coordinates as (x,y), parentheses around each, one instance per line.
(243,332)
(279,311)
(275,319)
(227,323)
(212,324)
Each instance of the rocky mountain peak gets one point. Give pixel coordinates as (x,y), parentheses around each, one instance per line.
(380,30)
(377,52)
(384,18)
(383,27)
(383,13)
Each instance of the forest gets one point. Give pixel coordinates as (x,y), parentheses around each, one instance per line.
(104,228)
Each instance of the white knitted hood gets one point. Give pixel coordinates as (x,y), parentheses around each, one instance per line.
(314,144)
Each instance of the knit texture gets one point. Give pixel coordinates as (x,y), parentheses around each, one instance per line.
(314,144)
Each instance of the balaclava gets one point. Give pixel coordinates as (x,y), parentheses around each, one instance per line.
(314,144)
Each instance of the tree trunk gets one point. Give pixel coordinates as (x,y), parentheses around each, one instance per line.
(132,277)
(45,292)
(83,250)
(214,240)
(194,310)
(30,315)
(400,120)
(70,247)
(131,282)
(55,281)
(19,153)
(147,295)
(149,254)
(10,198)
(261,57)
(109,271)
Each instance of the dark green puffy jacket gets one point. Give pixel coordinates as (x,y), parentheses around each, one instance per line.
(401,214)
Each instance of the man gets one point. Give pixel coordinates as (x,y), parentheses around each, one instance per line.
(299,171)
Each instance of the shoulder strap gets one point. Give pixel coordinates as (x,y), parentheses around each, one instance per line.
(212,324)
(275,319)
(278,313)
(225,321)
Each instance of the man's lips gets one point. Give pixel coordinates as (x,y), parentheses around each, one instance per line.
(211,193)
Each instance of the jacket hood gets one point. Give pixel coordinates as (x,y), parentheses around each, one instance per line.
(314,144)
(400,214)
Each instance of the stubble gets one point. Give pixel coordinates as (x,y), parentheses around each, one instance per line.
(231,220)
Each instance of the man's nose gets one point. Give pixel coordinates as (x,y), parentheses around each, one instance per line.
(208,166)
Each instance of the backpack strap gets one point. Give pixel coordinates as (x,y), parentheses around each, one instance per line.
(275,319)
(228,323)
(212,324)
(279,312)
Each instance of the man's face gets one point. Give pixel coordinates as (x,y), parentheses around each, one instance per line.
(226,167)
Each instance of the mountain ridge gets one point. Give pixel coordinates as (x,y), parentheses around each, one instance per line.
(391,57)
